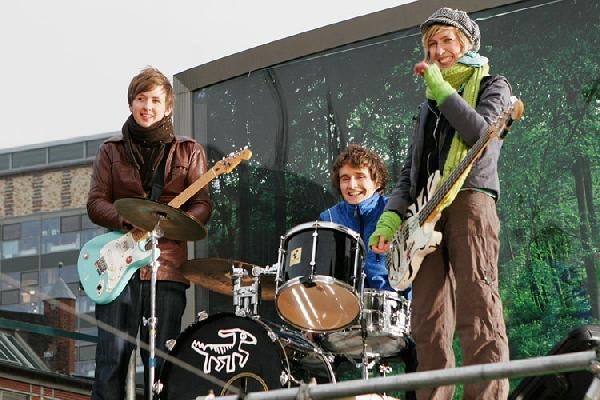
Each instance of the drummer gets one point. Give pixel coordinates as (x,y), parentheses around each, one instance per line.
(360,176)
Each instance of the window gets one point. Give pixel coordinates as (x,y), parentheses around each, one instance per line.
(86,223)
(65,152)
(69,273)
(49,275)
(71,223)
(30,229)
(61,234)
(10,248)
(50,234)
(11,231)
(10,297)
(7,395)
(28,158)
(87,353)
(30,278)
(10,280)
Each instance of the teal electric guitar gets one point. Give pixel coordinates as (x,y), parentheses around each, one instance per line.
(107,262)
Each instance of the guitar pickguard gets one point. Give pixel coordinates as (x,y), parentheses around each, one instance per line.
(413,241)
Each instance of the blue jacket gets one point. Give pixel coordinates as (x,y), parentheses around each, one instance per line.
(362,219)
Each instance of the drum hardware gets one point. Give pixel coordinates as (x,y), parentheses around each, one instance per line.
(151,322)
(384,327)
(169,344)
(369,360)
(161,220)
(384,369)
(318,291)
(201,316)
(215,274)
(245,298)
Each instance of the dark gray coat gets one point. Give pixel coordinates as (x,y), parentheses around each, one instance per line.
(471,124)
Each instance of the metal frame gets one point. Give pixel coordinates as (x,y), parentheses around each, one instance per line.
(512,369)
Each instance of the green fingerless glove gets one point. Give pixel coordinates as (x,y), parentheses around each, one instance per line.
(387,225)
(437,87)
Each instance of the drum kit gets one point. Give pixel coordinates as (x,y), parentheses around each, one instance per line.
(317,286)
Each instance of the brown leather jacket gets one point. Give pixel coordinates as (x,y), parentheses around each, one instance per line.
(115,177)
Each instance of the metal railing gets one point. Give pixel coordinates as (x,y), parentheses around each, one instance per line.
(547,365)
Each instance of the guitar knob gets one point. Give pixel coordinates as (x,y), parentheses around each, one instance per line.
(86,255)
(129,259)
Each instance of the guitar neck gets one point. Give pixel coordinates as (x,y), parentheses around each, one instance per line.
(221,167)
(193,189)
(454,177)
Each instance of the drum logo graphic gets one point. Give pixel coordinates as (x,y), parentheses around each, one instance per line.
(296,256)
(229,355)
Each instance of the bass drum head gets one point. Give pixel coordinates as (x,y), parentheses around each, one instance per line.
(220,354)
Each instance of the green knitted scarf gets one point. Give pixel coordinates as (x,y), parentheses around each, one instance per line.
(469,79)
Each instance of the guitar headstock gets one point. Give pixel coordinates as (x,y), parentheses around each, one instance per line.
(512,113)
(517,109)
(227,164)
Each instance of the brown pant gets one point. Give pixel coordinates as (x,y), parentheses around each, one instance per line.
(456,289)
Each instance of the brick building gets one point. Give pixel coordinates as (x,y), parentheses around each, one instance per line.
(43,223)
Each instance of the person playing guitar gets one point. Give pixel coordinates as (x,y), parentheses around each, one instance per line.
(456,287)
(147,161)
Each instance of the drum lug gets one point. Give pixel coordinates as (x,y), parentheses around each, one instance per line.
(330,358)
(284,378)
(170,344)
(272,335)
(157,387)
(201,316)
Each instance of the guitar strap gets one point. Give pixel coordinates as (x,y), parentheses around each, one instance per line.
(158,181)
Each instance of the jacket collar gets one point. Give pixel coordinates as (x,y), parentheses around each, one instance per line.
(364,207)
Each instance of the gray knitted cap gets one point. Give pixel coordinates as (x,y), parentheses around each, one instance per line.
(457,18)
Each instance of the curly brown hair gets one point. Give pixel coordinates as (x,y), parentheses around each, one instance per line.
(357,156)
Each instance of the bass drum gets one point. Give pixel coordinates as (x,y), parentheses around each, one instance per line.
(226,354)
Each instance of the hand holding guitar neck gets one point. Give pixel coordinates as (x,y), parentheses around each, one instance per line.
(175,224)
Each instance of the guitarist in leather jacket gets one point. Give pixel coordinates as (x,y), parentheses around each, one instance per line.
(125,167)
(456,287)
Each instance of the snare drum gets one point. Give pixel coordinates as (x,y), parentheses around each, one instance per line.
(224,351)
(386,321)
(320,276)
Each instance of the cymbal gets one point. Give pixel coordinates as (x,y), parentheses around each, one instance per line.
(215,274)
(174,223)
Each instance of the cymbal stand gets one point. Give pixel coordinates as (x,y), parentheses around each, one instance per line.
(151,322)
(369,360)
(365,365)
(245,298)
(268,270)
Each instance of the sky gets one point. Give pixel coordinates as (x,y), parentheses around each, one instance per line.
(65,64)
